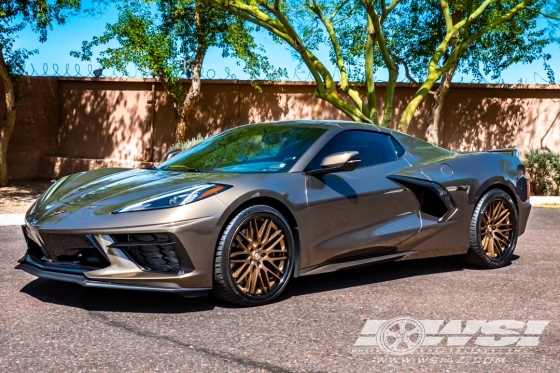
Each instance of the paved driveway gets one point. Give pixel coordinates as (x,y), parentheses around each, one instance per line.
(48,326)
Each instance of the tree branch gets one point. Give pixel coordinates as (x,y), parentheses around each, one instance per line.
(353,94)
(406,68)
(446,15)
(455,54)
(370,81)
(281,27)
(256,16)
(389,9)
(305,53)
(435,72)
(545,15)
(389,63)
(337,9)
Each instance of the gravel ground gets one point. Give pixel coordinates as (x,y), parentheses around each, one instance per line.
(47,326)
(17,197)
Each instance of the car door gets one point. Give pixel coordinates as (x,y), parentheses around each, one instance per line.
(361,212)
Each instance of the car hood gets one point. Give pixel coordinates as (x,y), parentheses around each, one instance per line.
(115,188)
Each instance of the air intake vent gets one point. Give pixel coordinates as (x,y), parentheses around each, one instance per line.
(433,198)
(77,250)
(150,251)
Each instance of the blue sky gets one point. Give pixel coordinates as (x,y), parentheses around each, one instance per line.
(63,39)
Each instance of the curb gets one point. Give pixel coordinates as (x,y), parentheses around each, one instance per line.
(11,219)
(545,201)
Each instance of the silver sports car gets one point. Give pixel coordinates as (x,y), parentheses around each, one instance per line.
(246,210)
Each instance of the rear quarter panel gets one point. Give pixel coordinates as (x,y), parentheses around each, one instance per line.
(467,177)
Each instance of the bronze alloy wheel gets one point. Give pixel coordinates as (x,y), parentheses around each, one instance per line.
(258,256)
(255,257)
(496,229)
(493,230)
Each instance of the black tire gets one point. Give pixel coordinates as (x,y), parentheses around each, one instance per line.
(228,288)
(487,230)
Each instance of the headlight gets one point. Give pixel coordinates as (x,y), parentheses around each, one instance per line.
(177,198)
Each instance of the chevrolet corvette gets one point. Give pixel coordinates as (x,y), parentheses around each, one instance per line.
(246,210)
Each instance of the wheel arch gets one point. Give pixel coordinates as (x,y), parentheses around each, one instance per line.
(486,188)
(478,253)
(281,208)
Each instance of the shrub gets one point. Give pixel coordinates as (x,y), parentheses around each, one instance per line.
(543,169)
(190,142)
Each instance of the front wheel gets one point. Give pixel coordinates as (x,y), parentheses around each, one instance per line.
(493,230)
(254,258)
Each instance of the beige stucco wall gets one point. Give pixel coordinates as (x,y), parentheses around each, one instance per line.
(112,119)
(115,119)
(492,118)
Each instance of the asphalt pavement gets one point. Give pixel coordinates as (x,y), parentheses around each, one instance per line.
(315,326)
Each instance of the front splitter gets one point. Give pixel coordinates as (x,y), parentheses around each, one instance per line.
(82,280)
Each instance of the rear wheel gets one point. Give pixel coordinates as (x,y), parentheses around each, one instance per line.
(493,230)
(255,257)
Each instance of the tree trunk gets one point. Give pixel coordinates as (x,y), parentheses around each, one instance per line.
(389,97)
(8,122)
(184,108)
(416,100)
(180,128)
(438,107)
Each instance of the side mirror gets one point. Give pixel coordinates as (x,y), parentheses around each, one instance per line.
(344,161)
(171,153)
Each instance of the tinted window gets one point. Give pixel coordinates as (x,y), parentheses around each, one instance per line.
(374,148)
(254,148)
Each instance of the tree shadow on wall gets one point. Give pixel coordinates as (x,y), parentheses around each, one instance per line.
(488,118)
(544,119)
(497,118)
(113,120)
(222,105)
(104,120)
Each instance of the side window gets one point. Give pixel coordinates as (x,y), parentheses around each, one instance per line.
(374,148)
(398,147)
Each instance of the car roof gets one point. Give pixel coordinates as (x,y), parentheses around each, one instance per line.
(346,124)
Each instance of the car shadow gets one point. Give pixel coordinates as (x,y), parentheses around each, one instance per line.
(372,274)
(92,299)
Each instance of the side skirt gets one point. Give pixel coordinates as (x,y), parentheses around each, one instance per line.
(331,267)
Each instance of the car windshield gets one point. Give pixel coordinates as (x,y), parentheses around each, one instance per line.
(248,149)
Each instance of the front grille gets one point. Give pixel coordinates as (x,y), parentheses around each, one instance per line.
(150,251)
(68,250)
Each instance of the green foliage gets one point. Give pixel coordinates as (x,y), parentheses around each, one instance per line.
(162,37)
(190,143)
(417,27)
(543,168)
(15,15)
(432,36)
(551,13)
(349,20)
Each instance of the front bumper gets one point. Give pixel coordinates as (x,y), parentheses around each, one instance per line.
(30,266)
(194,230)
